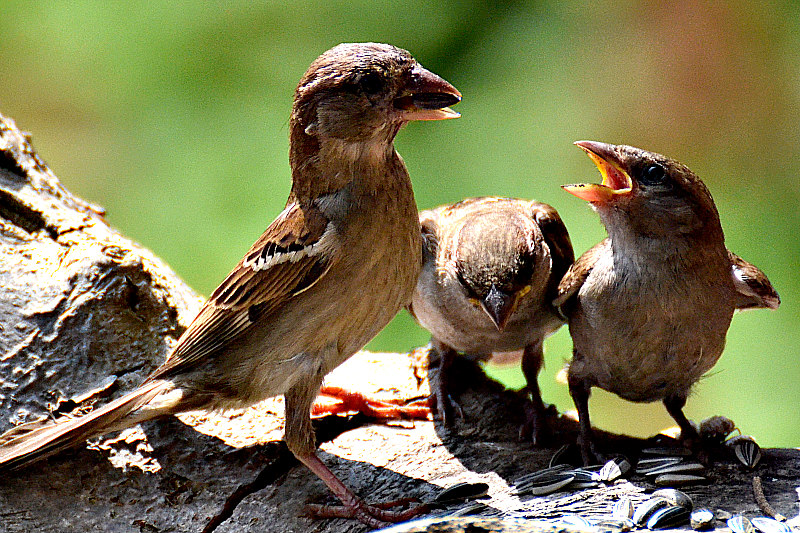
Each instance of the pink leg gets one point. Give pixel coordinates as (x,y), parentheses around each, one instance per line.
(375,516)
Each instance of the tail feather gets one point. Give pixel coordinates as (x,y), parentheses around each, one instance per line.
(20,447)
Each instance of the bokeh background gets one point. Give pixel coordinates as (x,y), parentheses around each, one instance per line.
(173,116)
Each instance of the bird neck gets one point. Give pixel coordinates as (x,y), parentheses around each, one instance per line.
(322,165)
(703,245)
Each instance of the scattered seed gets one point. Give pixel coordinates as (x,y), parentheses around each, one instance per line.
(644,467)
(461,492)
(676,468)
(545,485)
(678,480)
(623,508)
(740,524)
(647,508)
(668,517)
(770,525)
(675,497)
(701,519)
(747,451)
(667,451)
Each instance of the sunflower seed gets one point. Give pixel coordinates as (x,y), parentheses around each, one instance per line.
(646,509)
(678,480)
(770,525)
(575,520)
(668,517)
(461,492)
(623,508)
(675,497)
(701,519)
(747,451)
(614,525)
(545,485)
(677,468)
(667,451)
(646,465)
(472,508)
(740,524)
(539,474)
(614,469)
(584,479)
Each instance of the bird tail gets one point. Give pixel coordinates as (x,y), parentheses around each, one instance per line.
(25,444)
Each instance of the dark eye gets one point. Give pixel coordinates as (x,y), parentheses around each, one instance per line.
(371,83)
(653,174)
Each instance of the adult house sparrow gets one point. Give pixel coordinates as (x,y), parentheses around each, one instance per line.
(295,306)
(649,307)
(490,271)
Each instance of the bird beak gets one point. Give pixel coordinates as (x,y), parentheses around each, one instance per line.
(427,97)
(616,180)
(499,306)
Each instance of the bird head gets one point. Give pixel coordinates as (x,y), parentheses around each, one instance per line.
(646,192)
(495,261)
(359,92)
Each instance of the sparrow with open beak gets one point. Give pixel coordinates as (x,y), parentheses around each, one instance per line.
(491,267)
(325,277)
(650,306)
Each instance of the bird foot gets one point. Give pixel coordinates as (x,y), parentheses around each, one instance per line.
(374,515)
(349,401)
(535,428)
(446,407)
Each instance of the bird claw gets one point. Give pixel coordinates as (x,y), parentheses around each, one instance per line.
(446,406)
(535,428)
(374,515)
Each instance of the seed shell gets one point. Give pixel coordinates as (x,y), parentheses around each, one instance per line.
(770,525)
(646,509)
(667,451)
(461,492)
(614,525)
(546,485)
(740,524)
(675,497)
(623,508)
(747,450)
(677,468)
(668,517)
(678,480)
(701,519)
(646,465)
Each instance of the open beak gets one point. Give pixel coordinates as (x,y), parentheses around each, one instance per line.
(427,97)
(499,306)
(616,181)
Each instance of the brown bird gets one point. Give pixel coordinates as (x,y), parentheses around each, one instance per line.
(650,306)
(491,268)
(325,277)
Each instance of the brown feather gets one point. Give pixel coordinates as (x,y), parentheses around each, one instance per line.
(252,290)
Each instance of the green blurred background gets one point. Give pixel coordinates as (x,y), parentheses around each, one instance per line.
(173,116)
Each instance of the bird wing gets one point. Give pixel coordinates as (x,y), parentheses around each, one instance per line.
(577,273)
(752,286)
(293,254)
(430,241)
(556,236)
(429,226)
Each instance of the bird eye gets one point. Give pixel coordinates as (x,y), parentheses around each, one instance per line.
(371,83)
(653,174)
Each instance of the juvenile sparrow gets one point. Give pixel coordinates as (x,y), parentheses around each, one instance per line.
(326,276)
(649,307)
(490,271)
